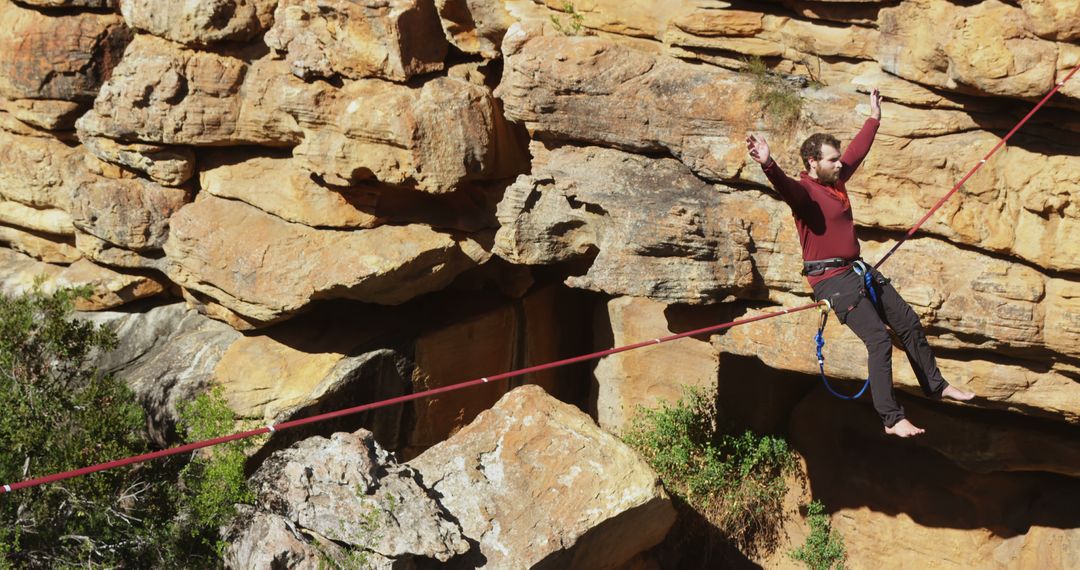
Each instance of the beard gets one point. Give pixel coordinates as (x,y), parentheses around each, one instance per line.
(829,178)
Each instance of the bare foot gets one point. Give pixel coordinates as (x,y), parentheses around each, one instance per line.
(954,393)
(904,428)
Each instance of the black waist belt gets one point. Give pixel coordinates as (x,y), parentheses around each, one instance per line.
(817,267)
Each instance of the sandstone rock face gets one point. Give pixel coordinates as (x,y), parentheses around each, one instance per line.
(171,166)
(1054,19)
(439,362)
(163,93)
(653,228)
(475,26)
(395,39)
(348,161)
(129,213)
(932,500)
(435,138)
(347,490)
(1009,59)
(63,58)
(108,289)
(277,185)
(265,268)
(647,376)
(602,504)
(201,22)
(594,91)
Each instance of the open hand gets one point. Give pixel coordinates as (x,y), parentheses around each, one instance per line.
(875,104)
(759,149)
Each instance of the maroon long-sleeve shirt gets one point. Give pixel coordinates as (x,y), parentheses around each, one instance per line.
(823,213)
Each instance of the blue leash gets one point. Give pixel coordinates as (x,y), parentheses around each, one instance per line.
(819,338)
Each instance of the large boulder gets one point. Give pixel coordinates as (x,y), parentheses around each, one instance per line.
(162,92)
(62,58)
(392,39)
(345,491)
(602,504)
(200,22)
(475,26)
(266,268)
(436,137)
(650,227)
(594,91)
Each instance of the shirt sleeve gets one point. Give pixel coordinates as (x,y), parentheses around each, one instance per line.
(858,149)
(790,190)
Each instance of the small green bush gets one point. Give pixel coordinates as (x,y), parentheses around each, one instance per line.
(736,481)
(58,413)
(824,547)
(213,482)
(780,100)
(574,26)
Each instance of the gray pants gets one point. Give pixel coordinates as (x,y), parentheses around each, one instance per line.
(853,307)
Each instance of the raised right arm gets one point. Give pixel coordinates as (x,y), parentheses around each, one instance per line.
(790,190)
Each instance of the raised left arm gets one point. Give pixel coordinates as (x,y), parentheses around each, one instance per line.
(860,145)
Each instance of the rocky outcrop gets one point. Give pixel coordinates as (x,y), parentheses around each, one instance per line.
(1024,517)
(265,268)
(392,177)
(395,40)
(649,226)
(57,58)
(475,26)
(636,379)
(434,138)
(202,22)
(321,497)
(602,503)
(589,90)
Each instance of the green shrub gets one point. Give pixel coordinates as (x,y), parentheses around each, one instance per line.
(213,482)
(574,26)
(736,481)
(779,99)
(824,547)
(58,413)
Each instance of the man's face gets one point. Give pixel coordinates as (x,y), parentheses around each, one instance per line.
(826,170)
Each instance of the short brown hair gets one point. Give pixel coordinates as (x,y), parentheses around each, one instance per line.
(811,147)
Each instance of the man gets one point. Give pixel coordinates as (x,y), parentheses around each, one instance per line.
(822,212)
